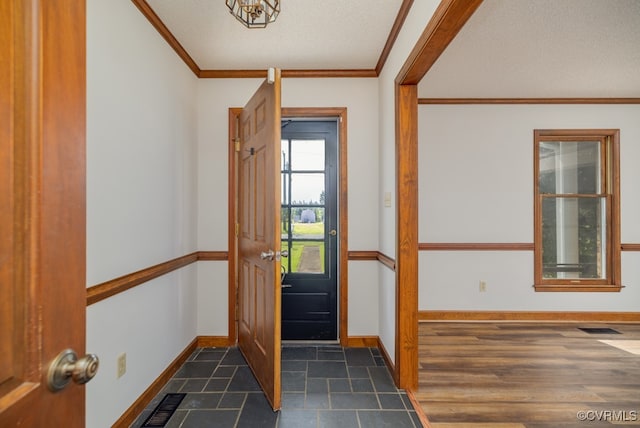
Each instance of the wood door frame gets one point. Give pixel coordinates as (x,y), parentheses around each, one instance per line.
(444,25)
(343,299)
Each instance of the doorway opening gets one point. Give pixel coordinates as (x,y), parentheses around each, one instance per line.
(309,229)
(339,115)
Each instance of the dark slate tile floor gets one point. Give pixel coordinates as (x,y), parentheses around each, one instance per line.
(322,387)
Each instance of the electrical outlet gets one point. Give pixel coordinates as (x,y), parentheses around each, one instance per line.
(122,364)
(483,286)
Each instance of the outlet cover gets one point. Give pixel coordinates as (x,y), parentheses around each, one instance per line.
(122,364)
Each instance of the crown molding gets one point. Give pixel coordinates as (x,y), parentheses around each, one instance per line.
(393,35)
(164,31)
(528,100)
(244,74)
(157,23)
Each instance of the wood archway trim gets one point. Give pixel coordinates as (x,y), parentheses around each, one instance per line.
(447,21)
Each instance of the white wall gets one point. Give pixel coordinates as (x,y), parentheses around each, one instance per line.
(215,97)
(141,202)
(413,27)
(476,185)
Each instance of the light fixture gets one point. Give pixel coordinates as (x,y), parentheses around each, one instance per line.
(254,13)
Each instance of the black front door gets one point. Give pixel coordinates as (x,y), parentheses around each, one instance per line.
(309,229)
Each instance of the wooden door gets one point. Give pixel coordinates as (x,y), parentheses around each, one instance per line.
(42,207)
(259,232)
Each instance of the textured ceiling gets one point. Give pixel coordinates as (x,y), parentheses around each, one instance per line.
(542,49)
(308,34)
(507,49)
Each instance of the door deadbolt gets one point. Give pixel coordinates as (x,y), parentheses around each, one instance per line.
(333,232)
(66,366)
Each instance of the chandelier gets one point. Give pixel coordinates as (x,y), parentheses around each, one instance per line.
(254,13)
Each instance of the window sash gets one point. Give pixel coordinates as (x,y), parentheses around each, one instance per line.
(608,278)
(573,250)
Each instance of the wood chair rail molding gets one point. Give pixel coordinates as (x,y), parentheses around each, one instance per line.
(494,246)
(427,101)
(475,246)
(110,288)
(551,316)
(373,255)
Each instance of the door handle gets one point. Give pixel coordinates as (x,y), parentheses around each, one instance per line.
(267,255)
(66,366)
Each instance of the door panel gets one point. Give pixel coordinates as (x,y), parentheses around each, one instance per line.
(42,213)
(259,216)
(309,229)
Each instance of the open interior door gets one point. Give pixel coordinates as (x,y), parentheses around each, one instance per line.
(42,213)
(259,297)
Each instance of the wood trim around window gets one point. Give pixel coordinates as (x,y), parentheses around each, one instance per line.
(476,246)
(611,139)
(440,101)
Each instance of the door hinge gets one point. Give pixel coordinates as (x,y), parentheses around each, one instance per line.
(236,144)
(237,229)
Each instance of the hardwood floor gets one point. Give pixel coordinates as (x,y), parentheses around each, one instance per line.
(533,375)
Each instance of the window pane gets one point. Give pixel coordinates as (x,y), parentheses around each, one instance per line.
(570,167)
(307,222)
(307,257)
(284,193)
(307,155)
(307,189)
(284,261)
(286,158)
(574,238)
(284,222)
